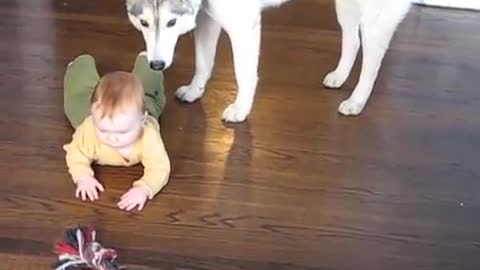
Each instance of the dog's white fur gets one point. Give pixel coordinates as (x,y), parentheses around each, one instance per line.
(376,20)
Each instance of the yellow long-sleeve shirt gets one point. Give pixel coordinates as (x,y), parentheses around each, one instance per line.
(85,149)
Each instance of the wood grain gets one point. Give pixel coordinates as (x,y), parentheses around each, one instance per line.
(296,187)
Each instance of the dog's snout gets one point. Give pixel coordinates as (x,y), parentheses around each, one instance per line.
(157,65)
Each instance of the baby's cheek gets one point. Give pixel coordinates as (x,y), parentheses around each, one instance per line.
(138,134)
(130,137)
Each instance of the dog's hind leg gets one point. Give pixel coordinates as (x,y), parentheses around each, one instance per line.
(348,16)
(206,38)
(245,40)
(377,28)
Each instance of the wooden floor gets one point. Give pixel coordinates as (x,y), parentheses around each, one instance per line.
(296,187)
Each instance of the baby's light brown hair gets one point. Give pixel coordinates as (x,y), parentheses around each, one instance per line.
(117,90)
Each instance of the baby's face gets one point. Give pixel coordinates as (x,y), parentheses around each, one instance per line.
(122,130)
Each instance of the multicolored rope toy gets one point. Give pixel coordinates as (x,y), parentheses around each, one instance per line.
(79,250)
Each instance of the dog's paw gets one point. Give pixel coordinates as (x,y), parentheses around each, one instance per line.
(335,79)
(187,93)
(235,113)
(350,107)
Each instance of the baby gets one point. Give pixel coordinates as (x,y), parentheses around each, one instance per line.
(115,121)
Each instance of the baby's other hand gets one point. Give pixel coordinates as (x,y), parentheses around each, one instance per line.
(87,187)
(136,196)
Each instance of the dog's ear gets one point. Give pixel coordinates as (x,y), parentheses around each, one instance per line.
(134,7)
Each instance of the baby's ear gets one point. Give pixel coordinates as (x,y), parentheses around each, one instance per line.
(144,117)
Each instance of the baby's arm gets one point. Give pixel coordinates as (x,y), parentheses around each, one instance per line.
(156,164)
(79,156)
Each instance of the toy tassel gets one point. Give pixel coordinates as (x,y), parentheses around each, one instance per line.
(80,250)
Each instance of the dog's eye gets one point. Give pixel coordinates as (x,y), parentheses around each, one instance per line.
(172,22)
(144,23)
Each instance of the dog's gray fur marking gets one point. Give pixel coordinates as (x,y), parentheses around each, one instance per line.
(179,7)
(136,7)
(156,15)
(182,7)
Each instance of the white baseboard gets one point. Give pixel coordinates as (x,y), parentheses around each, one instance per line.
(463,4)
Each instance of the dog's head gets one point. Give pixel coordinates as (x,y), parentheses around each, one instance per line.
(161,23)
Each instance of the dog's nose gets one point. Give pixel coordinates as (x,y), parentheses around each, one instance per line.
(157,65)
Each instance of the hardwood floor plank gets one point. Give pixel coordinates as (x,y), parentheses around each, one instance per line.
(297,186)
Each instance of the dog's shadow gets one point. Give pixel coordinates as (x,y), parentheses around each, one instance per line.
(238,164)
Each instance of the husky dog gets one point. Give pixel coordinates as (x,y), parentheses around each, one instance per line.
(163,21)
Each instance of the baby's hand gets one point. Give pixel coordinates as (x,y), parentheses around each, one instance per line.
(87,186)
(135,196)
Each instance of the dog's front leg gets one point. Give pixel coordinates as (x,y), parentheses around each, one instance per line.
(206,39)
(245,40)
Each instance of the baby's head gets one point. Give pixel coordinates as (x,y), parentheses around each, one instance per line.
(117,109)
